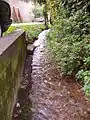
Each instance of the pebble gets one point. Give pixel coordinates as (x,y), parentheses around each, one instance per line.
(17,105)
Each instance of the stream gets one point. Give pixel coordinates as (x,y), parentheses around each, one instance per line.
(45,94)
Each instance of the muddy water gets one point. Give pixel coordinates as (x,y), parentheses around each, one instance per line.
(53,96)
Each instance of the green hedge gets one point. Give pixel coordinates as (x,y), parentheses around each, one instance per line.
(69,39)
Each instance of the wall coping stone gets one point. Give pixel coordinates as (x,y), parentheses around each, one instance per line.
(7,41)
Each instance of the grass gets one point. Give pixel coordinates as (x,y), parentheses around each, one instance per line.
(32,31)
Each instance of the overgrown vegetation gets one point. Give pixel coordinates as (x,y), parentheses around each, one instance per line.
(32,31)
(69,39)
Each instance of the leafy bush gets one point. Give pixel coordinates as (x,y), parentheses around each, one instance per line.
(32,31)
(84,76)
(38,11)
(69,39)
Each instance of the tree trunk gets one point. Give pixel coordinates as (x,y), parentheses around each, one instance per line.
(45,16)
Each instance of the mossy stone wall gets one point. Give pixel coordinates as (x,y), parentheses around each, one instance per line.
(12,56)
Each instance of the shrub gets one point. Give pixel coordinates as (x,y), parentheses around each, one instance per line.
(32,31)
(69,39)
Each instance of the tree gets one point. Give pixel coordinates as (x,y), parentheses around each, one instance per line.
(45,11)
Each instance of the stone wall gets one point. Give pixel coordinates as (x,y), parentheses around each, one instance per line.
(12,56)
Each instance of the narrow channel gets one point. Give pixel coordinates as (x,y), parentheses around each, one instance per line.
(44,93)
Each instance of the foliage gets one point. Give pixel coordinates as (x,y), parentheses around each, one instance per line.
(32,31)
(84,75)
(38,11)
(45,10)
(39,1)
(69,39)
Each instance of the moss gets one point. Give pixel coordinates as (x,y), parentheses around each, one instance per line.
(10,73)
